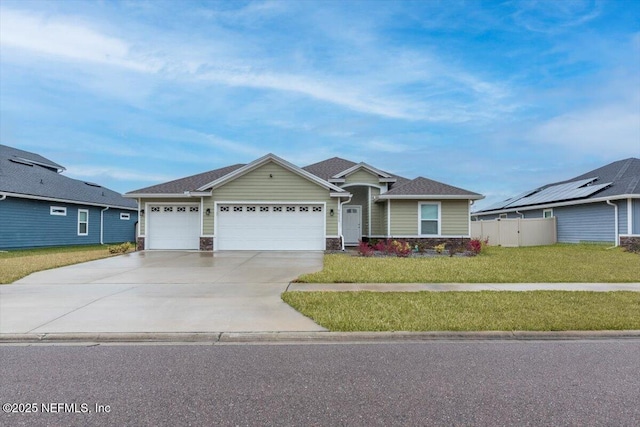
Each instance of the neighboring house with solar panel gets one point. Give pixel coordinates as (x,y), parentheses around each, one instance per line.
(39,206)
(602,205)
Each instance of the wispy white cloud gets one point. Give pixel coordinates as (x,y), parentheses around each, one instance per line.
(608,130)
(377,91)
(551,16)
(64,38)
(217,142)
(95,171)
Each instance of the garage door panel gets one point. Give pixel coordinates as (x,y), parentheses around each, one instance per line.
(270,227)
(173,227)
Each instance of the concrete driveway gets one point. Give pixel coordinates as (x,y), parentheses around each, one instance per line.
(161,292)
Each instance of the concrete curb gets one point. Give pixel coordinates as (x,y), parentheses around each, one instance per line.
(214,338)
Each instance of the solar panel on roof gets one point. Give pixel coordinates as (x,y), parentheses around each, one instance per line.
(567,191)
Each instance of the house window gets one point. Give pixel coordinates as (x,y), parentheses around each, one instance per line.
(503,216)
(57,210)
(547,213)
(429,218)
(83,222)
(125,216)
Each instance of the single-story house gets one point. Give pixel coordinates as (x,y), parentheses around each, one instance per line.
(602,205)
(39,206)
(271,204)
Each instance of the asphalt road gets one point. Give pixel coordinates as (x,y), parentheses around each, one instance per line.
(485,383)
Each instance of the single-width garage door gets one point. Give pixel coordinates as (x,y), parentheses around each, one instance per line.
(173,227)
(264,227)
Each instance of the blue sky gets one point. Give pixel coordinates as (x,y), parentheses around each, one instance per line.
(495,97)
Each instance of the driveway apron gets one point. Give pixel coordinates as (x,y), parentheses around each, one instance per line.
(161,292)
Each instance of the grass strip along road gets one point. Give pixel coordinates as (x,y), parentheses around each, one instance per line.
(469,311)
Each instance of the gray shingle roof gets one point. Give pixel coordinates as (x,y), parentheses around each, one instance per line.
(190,183)
(333,166)
(424,186)
(30,174)
(324,170)
(330,167)
(618,178)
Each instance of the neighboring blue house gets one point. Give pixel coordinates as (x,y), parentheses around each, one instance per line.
(41,207)
(602,205)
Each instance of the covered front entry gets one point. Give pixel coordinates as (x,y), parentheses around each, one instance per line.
(270,226)
(173,226)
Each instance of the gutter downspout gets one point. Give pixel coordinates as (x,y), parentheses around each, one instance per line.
(615,207)
(4,196)
(340,205)
(102,225)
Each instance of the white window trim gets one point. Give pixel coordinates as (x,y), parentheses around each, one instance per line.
(439,205)
(82,222)
(125,216)
(544,211)
(503,216)
(53,209)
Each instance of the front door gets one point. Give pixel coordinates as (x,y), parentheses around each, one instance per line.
(352,224)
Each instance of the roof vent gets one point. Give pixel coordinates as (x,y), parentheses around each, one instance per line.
(93,184)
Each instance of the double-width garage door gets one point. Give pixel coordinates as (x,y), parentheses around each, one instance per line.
(173,226)
(262,227)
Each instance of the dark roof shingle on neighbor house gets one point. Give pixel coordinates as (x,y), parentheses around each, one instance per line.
(618,178)
(30,174)
(189,183)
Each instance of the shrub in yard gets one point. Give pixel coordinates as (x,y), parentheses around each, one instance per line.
(633,245)
(119,249)
(364,249)
(383,246)
(401,248)
(440,248)
(475,246)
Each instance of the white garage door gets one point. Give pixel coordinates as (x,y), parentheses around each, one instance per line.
(173,227)
(264,227)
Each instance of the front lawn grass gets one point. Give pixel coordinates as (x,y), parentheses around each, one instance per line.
(469,311)
(556,263)
(15,265)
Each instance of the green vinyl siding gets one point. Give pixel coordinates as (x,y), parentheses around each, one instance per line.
(362,177)
(141,221)
(378,214)
(404,217)
(272,183)
(454,216)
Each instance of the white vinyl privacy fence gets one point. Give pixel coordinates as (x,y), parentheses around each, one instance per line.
(516,232)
